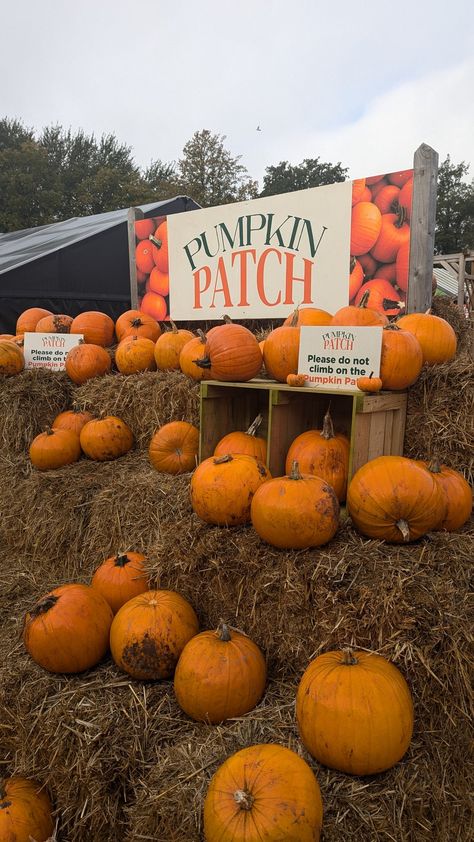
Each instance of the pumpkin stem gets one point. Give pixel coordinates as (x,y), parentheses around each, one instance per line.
(49,431)
(227,320)
(136,322)
(402,525)
(295,471)
(244,799)
(392,326)
(401,217)
(328,427)
(44,605)
(156,242)
(348,658)
(173,326)
(255,425)
(434,466)
(223,632)
(205,362)
(201,335)
(121,559)
(389,304)
(221,459)
(363,301)
(294,317)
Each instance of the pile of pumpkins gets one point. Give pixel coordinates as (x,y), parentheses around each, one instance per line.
(343,698)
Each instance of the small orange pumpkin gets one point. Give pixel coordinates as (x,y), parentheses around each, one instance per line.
(143,228)
(281,350)
(85,361)
(54,448)
(159,281)
(169,346)
(135,354)
(154,305)
(308,316)
(106,438)
(435,335)
(296,380)
(456,492)
(144,256)
(72,420)
(387,199)
(27,321)
(365,227)
(97,328)
(394,232)
(401,359)
(369,384)
(159,241)
(12,360)
(322,453)
(222,488)
(359,314)
(120,578)
(136,323)
(247,443)
(193,350)
(381,297)
(25,811)
(54,324)
(174,448)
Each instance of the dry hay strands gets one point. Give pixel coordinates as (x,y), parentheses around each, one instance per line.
(28,403)
(440,420)
(447,309)
(144,401)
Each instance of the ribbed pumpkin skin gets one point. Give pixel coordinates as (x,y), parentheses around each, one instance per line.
(381,292)
(106,438)
(25,811)
(286,806)
(193,350)
(324,454)
(169,346)
(160,254)
(366,223)
(309,316)
(435,335)
(355,315)
(149,633)
(222,491)
(70,635)
(390,490)
(135,354)
(54,324)
(136,323)
(12,360)
(174,448)
(72,420)
(456,492)
(97,328)
(295,514)
(86,361)
(120,578)
(239,442)
(218,679)
(27,321)
(356,718)
(392,236)
(54,449)
(280,352)
(401,360)
(234,353)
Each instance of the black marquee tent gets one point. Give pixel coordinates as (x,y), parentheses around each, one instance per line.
(71,266)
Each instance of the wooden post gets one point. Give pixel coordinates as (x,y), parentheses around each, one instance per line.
(461,274)
(423,218)
(133,214)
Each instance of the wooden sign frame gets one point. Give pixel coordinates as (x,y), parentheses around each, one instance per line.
(422,229)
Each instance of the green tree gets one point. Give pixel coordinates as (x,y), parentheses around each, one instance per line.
(160,181)
(454,209)
(210,174)
(285,177)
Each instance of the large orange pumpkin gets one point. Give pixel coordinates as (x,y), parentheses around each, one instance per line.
(12,360)
(308,316)
(435,335)
(231,353)
(97,328)
(382,297)
(136,323)
(27,321)
(25,811)
(248,443)
(322,453)
(393,233)
(401,359)
(295,512)
(149,633)
(174,448)
(72,420)
(456,493)
(135,354)
(354,712)
(359,314)
(281,350)
(263,793)
(222,488)
(394,499)
(169,346)
(106,438)
(68,629)
(54,448)
(154,305)
(192,351)
(365,227)
(120,578)
(85,361)
(220,675)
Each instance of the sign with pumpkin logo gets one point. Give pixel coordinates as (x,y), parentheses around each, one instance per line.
(336,356)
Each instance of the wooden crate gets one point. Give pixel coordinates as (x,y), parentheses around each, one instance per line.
(375,424)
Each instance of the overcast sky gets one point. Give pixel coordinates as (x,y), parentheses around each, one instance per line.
(361,83)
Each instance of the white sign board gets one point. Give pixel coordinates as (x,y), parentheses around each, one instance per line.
(49,350)
(333,357)
(261,258)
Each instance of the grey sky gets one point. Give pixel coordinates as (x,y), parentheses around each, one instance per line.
(361,83)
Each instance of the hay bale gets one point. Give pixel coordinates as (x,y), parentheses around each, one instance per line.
(446,308)
(28,403)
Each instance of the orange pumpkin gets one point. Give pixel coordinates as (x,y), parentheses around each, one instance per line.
(358,189)
(365,227)
(222,488)
(143,228)
(72,420)
(135,354)
(373,180)
(106,438)
(97,328)
(247,443)
(231,353)
(25,811)
(402,265)
(155,306)
(54,324)
(192,351)
(263,793)
(120,578)
(394,232)
(400,178)
(68,629)
(381,297)
(174,448)
(359,314)
(159,242)
(220,675)
(296,511)
(27,321)
(169,346)
(6,336)
(54,448)
(435,335)
(456,493)
(387,199)
(149,633)
(85,361)
(393,499)
(369,384)
(388,272)
(405,198)
(296,381)
(369,265)
(136,323)
(308,316)
(159,281)
(322,453)
(12,360)
(281,351)
(356,278)
(354,712)
(401,359)
(144,256)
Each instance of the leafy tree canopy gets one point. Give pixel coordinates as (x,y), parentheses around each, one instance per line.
(454,209)
(285,177)
(210,174)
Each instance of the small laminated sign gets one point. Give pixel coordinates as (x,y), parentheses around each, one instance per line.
(334,357)
(49,350)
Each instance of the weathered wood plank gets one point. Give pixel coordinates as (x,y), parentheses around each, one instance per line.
(377,403)
(132,216)
(423,218)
